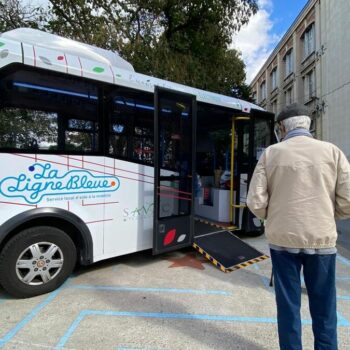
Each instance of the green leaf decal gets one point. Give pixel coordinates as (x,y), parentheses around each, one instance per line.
(98,70)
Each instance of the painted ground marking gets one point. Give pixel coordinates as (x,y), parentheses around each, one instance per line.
(12,332)
(149,290)
(342,322)
(343,260)
(265,280)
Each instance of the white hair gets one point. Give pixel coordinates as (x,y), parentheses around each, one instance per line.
(300,121)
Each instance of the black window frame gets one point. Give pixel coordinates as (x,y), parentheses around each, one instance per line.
(130,127)
(100,87)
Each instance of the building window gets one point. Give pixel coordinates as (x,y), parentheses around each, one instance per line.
(274,79)
(288,60)
(309,40)
(289,96)
(263,90)
(309,86)
(254,96)
(274,107)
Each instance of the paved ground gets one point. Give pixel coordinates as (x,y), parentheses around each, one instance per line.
(175,301)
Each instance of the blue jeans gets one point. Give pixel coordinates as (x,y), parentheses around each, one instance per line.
(319,276)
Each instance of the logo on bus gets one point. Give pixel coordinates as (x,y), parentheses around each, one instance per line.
(43,180)
(143,212)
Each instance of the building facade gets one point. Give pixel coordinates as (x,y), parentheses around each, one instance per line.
(310,65)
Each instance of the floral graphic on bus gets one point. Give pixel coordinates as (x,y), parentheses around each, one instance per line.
(42,180)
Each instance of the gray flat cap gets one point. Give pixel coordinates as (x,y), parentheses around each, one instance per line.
(292,110)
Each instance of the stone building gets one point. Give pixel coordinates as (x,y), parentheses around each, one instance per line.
(310,65)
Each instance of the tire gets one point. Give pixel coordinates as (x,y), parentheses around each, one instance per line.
(256,233)
(36,261)
(251,226)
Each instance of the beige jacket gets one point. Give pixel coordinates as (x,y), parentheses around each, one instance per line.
(300,186)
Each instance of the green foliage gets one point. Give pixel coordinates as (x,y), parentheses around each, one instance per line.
(22,128)
(13,14)
(183,41)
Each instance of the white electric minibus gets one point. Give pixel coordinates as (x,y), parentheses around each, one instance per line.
(98,161)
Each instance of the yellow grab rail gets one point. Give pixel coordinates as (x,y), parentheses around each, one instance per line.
(232,204)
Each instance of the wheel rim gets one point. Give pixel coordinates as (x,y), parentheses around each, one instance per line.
(39,263)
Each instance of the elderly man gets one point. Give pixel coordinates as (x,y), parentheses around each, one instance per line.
(299,187)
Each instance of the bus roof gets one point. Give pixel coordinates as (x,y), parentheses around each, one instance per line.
(52,41)
(43,50)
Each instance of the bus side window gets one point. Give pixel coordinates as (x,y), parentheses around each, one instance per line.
(131,118)
(81,135)
(48,112)
(27,129)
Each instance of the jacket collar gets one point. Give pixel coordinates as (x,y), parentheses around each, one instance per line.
(297,132)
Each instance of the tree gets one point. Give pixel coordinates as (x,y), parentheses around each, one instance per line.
(13,14)
(178,40)
(20,128)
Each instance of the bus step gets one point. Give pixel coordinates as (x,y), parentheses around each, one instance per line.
(222,225)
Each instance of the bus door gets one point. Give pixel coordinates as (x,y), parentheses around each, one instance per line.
(256,137)
(174,170)
(250,135)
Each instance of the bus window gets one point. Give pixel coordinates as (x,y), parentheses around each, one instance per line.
(43,112)
(81,135)
(262,137)
(131,118)
(28,129)
(143,144)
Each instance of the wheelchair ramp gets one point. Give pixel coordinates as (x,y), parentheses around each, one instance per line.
(224,249)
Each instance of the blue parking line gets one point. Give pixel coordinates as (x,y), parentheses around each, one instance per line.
(265,280)
(343,278)
(133,349)
(342,322)
(150,290)
(70,331)
(85,313)
(343,297)
(343,260)
(11,333)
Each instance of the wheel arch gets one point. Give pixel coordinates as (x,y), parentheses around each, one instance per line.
(56,217)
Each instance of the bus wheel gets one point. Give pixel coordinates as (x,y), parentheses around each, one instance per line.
(251,226)
(36,261)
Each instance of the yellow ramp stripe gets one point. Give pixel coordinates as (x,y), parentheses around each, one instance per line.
(233,268)
(216,225)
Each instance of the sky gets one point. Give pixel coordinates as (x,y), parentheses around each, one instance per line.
(265,29)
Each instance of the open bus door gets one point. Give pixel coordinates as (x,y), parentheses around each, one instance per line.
(174,170)
(250,135)
(261,135)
